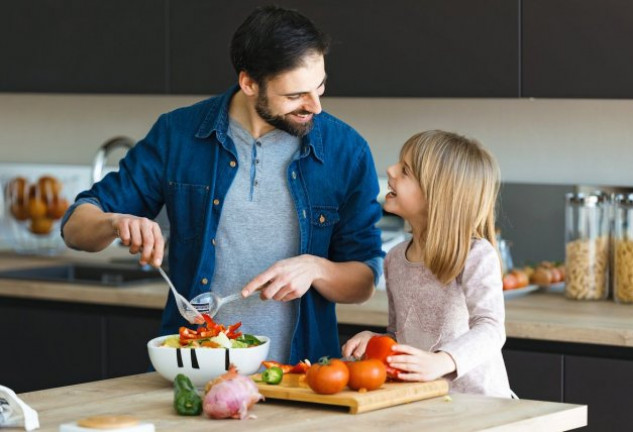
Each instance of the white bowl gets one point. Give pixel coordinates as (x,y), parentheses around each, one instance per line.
(204,364)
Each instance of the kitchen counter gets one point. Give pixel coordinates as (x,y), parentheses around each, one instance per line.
(149,397)
(541,316)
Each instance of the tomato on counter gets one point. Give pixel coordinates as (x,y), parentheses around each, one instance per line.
(328,376)
(366,374)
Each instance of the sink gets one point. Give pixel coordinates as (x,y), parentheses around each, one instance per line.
(109,275)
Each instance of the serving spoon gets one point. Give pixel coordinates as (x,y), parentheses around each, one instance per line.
(210,303)
(185,308)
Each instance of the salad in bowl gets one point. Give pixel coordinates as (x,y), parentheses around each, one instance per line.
(207,352)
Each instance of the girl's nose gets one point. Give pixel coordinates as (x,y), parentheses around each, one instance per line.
(391,171)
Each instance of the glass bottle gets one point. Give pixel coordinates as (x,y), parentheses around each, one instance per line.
(586,246)
(623,249)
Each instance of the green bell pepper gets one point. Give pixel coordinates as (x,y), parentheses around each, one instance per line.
(187,401)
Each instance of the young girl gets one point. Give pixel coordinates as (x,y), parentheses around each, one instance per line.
(446,307)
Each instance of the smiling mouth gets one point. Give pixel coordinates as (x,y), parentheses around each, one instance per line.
(302,117)
(391,192)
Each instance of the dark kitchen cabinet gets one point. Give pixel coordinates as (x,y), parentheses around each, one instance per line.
(51,344)
(535,375)
(83,46)
(604,385)
(577,49)
(402,48)
(45,347)
(126,340)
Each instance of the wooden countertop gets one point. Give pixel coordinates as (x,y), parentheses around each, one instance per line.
(544,316)
(149,397)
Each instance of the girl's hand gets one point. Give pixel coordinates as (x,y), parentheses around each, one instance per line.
(418,365)
(355,347)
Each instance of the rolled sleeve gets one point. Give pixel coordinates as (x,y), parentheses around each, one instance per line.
(78,201)
(376,265)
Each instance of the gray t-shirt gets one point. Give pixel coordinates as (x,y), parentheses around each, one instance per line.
(258,227)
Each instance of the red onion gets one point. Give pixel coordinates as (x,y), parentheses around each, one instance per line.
(230,396)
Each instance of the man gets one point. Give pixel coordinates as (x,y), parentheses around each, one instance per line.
(263,191)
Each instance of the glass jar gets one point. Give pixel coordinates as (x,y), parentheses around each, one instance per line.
(587,246)
(623,249)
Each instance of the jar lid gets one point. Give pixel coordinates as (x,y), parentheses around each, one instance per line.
(624,199)
(589,200)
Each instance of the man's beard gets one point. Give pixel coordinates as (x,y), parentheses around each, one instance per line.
(279,121)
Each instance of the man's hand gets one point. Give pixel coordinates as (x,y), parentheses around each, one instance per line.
(418,365)
(357,345)
(140,235)
(285,280)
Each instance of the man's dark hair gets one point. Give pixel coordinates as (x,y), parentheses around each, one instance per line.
(273,40)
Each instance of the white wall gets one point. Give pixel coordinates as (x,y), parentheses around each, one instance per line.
(535,141)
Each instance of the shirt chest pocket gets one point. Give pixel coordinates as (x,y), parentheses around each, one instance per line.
(186,207)
(323,220)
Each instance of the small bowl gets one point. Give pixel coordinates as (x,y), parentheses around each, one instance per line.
(204,364)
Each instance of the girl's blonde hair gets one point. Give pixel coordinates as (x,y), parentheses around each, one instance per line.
(460,180)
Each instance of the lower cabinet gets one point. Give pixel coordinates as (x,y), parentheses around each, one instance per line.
(51,344)
(604,385)
(126,340)
(535,375)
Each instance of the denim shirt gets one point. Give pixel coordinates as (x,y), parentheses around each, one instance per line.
(187,163)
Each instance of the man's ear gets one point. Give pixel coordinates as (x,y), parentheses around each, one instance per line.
(247,84)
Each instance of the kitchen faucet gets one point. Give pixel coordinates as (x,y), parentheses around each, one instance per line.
(103,152)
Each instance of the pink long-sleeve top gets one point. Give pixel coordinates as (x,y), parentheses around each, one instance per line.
(464,318)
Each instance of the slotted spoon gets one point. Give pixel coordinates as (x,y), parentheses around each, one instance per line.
(185,308)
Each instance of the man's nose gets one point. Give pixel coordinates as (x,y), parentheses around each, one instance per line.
(313,103)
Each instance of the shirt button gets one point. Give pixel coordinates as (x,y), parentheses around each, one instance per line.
(216,201)
(204,281)
(304,214)
(294,175)
(256,182)
(321,218)
(232,163)
(258,143)
(213,242)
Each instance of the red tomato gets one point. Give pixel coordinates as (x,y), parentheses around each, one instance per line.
(379,347)
(557,276)
(327,376)
(522,278)
(366,374)
(510,282)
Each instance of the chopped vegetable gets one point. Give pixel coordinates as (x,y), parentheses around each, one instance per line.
(212,335)
(187,401)
(273,375)
(299,368)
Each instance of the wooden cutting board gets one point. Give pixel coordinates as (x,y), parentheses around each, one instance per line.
(294,388)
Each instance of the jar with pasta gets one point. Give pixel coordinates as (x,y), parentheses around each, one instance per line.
(586,246)
(623,249)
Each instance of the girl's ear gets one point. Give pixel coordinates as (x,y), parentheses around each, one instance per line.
(248,85)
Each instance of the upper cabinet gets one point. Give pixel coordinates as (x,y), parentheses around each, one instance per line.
(577,48)
(83,46)
(401,48)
